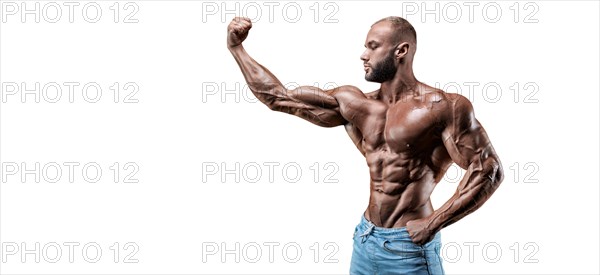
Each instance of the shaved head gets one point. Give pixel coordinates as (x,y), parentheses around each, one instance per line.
(390,47)
(403,30)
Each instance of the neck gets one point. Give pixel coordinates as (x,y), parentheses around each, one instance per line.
(402,85)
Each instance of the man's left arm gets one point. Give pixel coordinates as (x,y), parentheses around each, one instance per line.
(469,146)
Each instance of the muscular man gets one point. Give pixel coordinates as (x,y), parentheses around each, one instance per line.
(409,134)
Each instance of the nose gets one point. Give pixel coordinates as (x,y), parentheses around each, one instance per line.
(364,57)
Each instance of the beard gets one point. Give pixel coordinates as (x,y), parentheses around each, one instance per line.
(382,71)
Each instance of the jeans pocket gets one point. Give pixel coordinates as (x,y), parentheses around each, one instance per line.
(403,248)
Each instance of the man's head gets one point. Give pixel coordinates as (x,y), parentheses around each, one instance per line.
(391,44)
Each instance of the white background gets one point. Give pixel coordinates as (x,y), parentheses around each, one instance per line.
(181,128)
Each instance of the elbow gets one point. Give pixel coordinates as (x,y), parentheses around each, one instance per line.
(500,174)
(492,172)
(496,174)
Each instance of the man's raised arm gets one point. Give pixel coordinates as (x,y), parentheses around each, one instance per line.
(309,103)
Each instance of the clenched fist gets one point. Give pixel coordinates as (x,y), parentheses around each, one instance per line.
(237,31)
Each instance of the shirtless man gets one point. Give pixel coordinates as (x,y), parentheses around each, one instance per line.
(409,134)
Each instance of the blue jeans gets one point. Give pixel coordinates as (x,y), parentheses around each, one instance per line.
(380,251)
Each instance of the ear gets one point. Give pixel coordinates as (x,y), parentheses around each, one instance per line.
(401,50)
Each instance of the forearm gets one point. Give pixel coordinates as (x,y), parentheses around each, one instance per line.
(263,84)
(310,103)
(476,187)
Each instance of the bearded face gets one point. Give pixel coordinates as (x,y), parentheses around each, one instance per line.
(383,70)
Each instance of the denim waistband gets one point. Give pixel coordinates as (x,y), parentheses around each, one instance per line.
(367,226)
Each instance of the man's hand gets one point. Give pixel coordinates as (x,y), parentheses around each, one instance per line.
(419,231)
(237,31)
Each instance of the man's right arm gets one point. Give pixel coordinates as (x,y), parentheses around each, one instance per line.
(310,103)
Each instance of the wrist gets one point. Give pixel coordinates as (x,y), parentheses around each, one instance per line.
(433,224)
(234,47)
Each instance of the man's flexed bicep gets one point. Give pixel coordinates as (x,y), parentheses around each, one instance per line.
(467,142)
(310,103)
(468,145)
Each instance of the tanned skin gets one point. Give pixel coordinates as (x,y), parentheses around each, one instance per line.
(408,132)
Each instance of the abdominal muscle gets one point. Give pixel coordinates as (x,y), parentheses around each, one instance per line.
(400,190)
